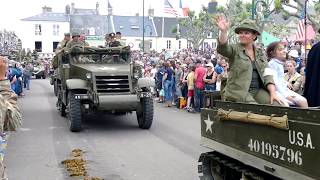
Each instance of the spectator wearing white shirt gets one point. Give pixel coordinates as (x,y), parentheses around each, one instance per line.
(277,55)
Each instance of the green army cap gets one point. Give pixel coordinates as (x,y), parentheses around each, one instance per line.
(75,34)
(66,34)
(247,24)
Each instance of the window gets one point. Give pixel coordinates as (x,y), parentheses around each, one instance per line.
(37,29)
(189,44)
(56,28)
(205,45)
(168,44)
(54,45)
(38,46)
(214,45)
(150,44)
(179,44)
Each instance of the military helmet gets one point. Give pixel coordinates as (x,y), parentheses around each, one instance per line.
(66,34)
(112,35)
(75,34)
(248,24)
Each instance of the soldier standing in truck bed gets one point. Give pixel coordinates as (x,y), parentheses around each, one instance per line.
(250,79)
(113,41)
(64,42)
(83,39)
(75,41)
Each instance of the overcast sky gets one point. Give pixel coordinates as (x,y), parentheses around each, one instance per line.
(13,10)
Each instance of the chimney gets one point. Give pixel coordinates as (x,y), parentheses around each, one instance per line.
(46,9)
(72,8)
(97,8)
(67,9)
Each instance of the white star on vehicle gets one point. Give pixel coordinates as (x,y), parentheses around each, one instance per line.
(209,124)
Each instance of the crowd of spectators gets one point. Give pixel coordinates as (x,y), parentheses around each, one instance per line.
(183,76)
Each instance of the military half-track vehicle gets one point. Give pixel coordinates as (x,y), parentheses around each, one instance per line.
(39,72)
(259,142)
(91,79)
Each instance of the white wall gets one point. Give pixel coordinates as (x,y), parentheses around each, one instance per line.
(28,37)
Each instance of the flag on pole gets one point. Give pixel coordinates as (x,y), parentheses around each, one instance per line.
(184,11)
(300,34)
(168,8)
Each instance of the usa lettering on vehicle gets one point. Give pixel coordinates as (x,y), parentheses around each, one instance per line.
(301,139)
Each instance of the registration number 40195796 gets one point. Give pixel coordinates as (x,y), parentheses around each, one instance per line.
(275,151)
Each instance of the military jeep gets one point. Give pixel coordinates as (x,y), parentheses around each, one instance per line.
(93,79)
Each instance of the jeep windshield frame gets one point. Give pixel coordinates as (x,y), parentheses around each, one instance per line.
(92,55)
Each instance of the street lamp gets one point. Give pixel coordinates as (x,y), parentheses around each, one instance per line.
(265,5)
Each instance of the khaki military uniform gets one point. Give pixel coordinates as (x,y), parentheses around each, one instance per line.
(73,43)
(62,44)
(85,43)
(10,116)
(240,75)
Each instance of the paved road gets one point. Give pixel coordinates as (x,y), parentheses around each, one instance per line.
(116,149)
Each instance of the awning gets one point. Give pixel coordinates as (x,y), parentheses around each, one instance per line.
(268,38)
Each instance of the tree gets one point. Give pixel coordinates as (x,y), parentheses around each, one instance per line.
(198,27)
(282,6)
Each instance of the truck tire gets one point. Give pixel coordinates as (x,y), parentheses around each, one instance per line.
(74,113)
(145,113)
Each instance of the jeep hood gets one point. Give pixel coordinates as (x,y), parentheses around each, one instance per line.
(105,68)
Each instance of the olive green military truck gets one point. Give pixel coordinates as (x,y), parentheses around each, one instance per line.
(90,79)
(251,141)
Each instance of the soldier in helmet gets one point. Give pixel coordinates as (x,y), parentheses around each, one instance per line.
(75,41)
(107,38)
(113,41)
(119,38)
(83,39)
(250,78)
(64,42)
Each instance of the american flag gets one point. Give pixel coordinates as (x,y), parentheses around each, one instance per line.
(300,34)
(168,8)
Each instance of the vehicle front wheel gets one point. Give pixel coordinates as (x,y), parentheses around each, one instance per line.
(74,113)
(145,113)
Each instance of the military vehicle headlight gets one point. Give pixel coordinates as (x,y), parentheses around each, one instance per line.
(89,75)
(137,73)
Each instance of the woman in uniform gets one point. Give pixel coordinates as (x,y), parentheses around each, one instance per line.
(250,79)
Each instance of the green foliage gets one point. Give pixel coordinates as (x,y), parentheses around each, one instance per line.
(198,26)
(278,30)
(314,19)
(277,5)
